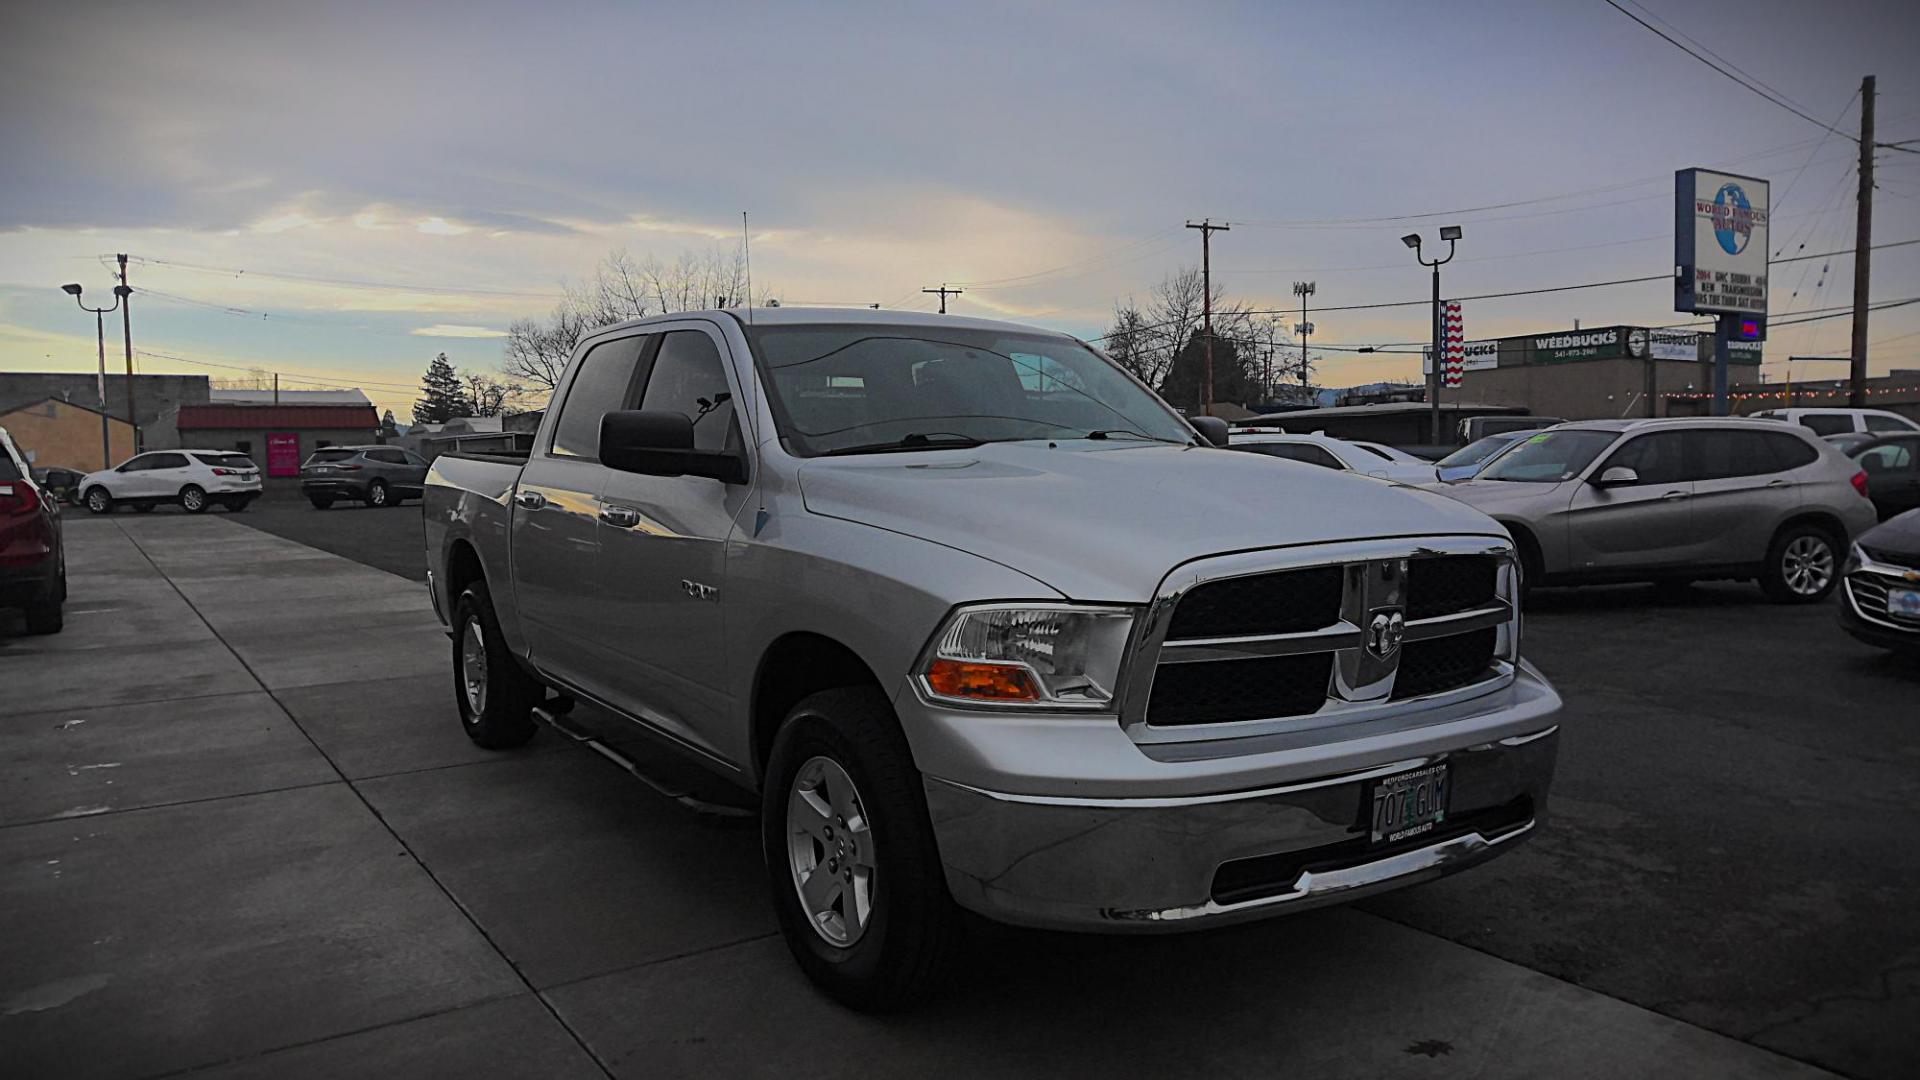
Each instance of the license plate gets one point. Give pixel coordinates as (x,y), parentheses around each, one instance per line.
(1904,603)
(1409,804)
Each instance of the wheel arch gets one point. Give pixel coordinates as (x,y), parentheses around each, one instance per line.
(795,665)
(463,569)
(1532,557)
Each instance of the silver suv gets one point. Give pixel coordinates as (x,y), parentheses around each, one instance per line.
(375,475)
(1677,499)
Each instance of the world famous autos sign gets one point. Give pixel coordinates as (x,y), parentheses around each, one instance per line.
(1720,243)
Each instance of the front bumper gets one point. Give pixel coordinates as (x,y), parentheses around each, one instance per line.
(1874,628)
(1174,862)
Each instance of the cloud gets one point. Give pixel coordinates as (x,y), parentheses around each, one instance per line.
(455,330)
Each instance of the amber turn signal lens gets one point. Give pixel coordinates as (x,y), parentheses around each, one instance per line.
(983,682)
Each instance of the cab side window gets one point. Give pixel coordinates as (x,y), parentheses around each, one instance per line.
(1657,457)
(1828,424)
(604,383)
(1888,457)
(688,378)
(1887,423)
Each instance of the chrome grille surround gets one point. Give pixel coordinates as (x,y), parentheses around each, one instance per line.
(1866,585)
(1361,683)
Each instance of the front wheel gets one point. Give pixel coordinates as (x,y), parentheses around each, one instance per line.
(855,877)
(319,503)
(193,499)
(494,693)
(1801,566)
(377,494)
(98,501)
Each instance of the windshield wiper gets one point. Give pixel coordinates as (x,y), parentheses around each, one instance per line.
(933,440)
(1108,433)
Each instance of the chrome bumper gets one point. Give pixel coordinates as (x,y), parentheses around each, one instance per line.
(1155,864)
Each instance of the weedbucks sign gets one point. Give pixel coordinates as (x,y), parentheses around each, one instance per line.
(1606,344)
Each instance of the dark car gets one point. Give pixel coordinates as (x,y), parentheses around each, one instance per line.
(375,475)
(62,484)
(33,562)
(1880,603)
(1892,464)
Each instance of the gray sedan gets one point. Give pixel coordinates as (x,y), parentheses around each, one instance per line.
(1677,499)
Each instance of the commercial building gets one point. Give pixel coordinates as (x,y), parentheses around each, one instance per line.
(57,434)
(278,437)
(154,395)
(1598,372)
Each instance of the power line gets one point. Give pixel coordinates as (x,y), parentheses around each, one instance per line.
(349,283)
(329,383)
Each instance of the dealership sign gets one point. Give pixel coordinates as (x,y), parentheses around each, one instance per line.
(1720,243)
(1474,355)
(1607,344)
(1673,344)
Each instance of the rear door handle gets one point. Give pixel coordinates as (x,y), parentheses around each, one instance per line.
(1779,483)
(620,517)
(531,500)
(1676,494)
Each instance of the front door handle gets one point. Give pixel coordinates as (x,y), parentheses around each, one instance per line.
(620,517)
(531,500)
(1676,494)
(1779,483)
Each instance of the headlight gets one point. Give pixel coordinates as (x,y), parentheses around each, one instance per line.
(1028,655)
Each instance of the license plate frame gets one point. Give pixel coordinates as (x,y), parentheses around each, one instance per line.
(1409,804)
(1903,603)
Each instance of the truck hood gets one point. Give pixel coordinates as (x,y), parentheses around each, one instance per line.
(1106,521)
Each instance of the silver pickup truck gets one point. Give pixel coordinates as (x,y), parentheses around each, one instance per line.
(975,622)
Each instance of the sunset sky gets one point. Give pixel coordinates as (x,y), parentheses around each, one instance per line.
(338,191)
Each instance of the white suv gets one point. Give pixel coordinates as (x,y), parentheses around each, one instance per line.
(1825,422)
(195,479)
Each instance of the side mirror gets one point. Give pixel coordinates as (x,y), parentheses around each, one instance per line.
(1211,428)
(1617,476)
(660,443)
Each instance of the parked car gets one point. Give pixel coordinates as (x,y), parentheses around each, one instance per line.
(1333,453)
(195,479)
(1475,428)
(981,623)
(1835,421)
(375,475)
(1845,441)
(61,485)
(1881,597)
(1466,462)
(1892,464)
(1677,499)
(33,557)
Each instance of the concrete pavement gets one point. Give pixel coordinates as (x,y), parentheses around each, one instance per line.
(240,831)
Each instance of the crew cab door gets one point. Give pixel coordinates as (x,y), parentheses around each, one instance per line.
(662,580)
(1646,524)
(556,519)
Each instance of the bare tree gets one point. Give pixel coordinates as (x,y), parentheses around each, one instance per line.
(1147,341)
(536,350)
(486,395)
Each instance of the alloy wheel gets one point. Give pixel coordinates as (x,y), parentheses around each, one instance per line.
(830,851)
(193,499)
(1807,565)
(473,669)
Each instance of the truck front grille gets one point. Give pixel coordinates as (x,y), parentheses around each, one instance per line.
(1373,623)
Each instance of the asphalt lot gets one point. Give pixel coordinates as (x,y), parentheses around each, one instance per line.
(258,841)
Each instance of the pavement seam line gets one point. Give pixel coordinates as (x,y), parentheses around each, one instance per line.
(625,968)
(118,811)
(371,809)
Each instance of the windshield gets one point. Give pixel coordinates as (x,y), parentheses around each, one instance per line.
(1477,451)
(849,388)
(1550,457)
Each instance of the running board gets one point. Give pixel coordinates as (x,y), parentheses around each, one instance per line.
(555,718)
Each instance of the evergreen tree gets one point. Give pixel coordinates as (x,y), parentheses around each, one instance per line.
(441,396)
(1181,387)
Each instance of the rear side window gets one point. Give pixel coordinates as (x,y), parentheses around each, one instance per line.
(324,456)
(603,384)
(225,461)
(1658,457)
(166,461)
(1720,455)
(386,457)
(1303,452)
(687,378)
(8,470)
(1789,452)
(1828,424)
(1888,423)
(1888,457)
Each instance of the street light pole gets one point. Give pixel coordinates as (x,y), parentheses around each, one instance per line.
(1303,289)
(100,337)
(1449,233)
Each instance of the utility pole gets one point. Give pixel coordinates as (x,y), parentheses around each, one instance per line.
(1303,289)
(1862,249)
(126,332)
(944,293)
(1207,229)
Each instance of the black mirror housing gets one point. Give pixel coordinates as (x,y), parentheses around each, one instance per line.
(1211,428)
(660,443)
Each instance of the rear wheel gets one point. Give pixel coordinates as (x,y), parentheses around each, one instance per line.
(193,499)
(234,506)
(99,501)
(44,615)
(377,494)
(1802,565)
(495,694)
(855,878)
(319,503)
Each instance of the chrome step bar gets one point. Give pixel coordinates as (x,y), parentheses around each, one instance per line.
(555,718)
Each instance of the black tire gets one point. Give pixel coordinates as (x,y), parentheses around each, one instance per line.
(504,718)
(235,506)
(378,495)
(319,503)
(1803,565)
(44,614)
(98,501)
(143,508)
(914,932)
(193,499)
